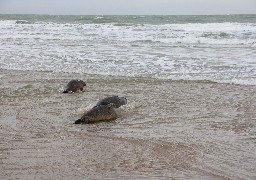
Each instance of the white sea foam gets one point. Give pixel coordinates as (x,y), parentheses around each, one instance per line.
(222,52)
(3,22)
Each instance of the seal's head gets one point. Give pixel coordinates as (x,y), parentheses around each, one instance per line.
(82,83)
(123,101)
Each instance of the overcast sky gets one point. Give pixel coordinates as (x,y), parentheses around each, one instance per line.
(127,7)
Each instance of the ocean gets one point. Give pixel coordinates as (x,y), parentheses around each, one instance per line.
(190,84)
(205,48)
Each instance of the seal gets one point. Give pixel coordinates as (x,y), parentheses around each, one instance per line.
(74,85)
(116,100)
(98,113)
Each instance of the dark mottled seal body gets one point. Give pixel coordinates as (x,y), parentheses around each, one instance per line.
(98,113)
(74,85)
(116,100)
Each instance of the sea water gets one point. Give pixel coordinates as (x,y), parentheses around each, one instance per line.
(209,48)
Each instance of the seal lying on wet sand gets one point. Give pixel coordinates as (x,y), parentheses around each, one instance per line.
(98,113)
(74,85)
(116,100)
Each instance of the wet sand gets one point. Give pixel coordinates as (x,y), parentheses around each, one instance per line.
(168,129)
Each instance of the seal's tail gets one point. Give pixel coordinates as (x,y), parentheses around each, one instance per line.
(82,121)
(79,121)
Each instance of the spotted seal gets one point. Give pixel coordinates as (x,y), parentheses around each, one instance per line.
(98,113)
(116,100)
(74,85)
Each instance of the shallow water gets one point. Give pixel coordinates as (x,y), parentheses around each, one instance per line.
(168,129)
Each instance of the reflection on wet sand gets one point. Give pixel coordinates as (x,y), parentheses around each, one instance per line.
(168,129)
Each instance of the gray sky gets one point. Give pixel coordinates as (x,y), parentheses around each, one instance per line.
(128,7)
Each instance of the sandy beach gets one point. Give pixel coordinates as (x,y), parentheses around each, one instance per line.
(168,129)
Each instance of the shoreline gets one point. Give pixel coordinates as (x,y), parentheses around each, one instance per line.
(74,75)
